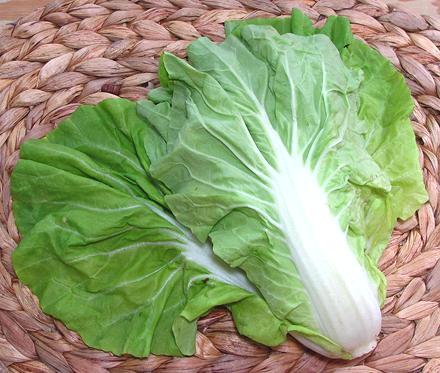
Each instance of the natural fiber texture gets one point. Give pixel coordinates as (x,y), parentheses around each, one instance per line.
(84,51)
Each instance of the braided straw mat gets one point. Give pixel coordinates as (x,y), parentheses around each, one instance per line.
(84,51)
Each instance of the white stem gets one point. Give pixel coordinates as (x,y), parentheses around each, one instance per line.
(344,299)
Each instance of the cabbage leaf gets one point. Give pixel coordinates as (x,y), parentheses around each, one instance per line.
(102,252)
(293,152)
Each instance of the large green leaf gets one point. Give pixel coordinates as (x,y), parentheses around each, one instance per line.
(103,254)
(276,151)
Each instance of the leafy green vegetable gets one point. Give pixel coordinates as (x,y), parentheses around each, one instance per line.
(287,147)
(282,149)
(104,255)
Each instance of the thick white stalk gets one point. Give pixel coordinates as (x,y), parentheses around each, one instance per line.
(343,297)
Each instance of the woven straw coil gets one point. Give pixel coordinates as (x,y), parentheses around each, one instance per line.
(84,51)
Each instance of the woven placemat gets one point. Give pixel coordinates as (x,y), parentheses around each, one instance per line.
(84,51)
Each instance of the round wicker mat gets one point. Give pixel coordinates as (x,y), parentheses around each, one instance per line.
(84,51)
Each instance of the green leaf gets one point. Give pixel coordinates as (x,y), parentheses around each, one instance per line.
(276,152)
(102,252)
